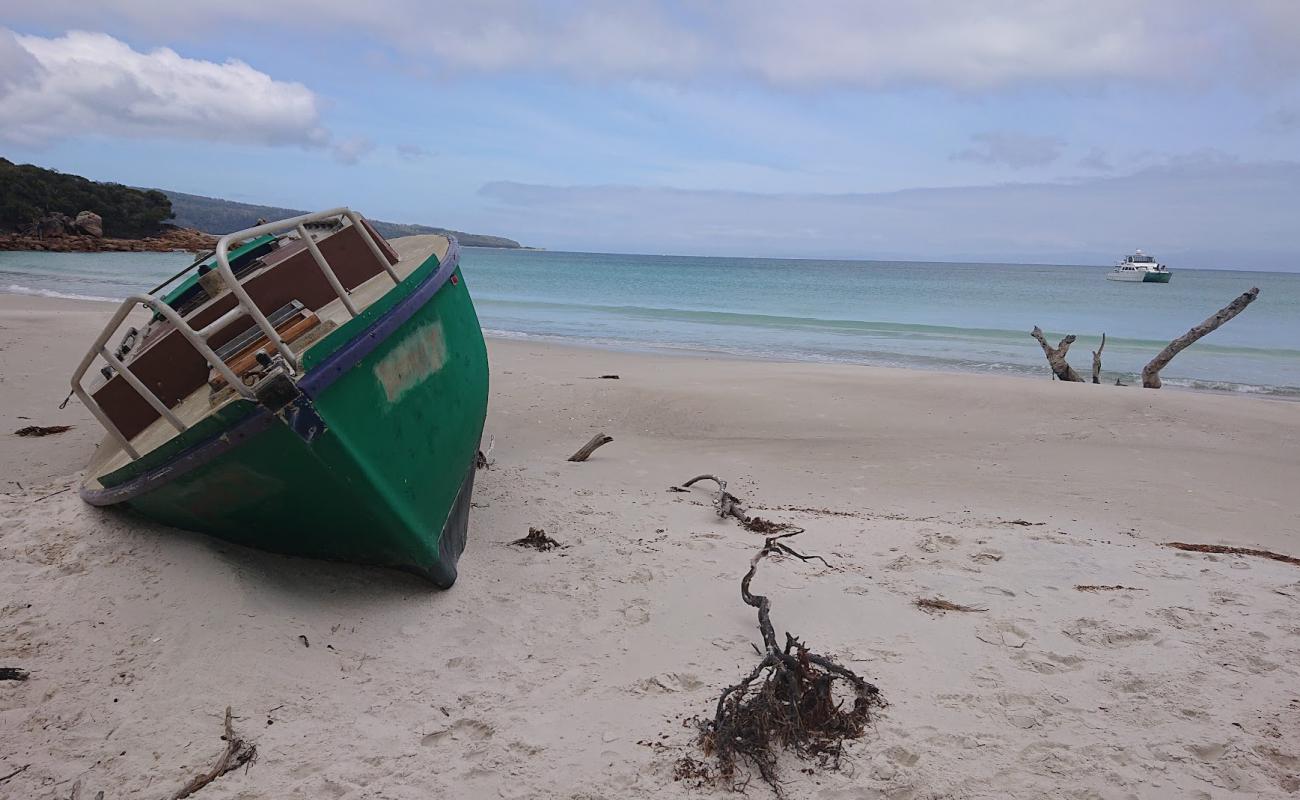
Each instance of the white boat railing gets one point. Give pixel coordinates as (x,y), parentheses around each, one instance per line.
(244,305)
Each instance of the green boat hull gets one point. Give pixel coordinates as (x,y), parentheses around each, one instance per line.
(374,464)
(1157,277)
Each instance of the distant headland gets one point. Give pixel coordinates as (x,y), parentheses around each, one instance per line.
(43,209)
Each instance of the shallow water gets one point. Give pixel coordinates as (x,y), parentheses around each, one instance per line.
(969,317)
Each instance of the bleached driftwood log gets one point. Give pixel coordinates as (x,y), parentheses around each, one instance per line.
(1056,356)
(1096,359)
(1151,372)
(587,449)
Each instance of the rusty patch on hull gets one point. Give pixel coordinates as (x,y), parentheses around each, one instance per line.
(419,356)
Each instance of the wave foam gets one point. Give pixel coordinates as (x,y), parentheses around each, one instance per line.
(14,288)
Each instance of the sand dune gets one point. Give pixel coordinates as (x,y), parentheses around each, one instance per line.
(576,672)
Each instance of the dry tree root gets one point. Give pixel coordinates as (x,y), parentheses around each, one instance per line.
(933,604)
(237,753)
(538,540)
(1233,551)
(788,702)
(40,430)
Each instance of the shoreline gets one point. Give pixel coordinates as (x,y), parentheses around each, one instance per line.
(1178,385)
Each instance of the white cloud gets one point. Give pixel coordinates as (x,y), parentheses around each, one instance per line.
(1015,150)
(1201,211)
(352,150)
(972,44)
(91,82)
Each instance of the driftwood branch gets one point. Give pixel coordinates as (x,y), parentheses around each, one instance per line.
(1096,359)
(1151,372)
(237,753)
(1056,356)
(587,449)
(728,505)
(1234,551)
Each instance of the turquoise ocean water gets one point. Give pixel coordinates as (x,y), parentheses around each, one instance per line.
(965,317)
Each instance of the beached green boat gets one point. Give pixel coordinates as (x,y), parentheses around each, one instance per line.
(309,389)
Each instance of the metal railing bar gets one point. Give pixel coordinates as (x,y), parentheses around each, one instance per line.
(198,342)
(373,245)
(221,322)
(228,275)
(333,279)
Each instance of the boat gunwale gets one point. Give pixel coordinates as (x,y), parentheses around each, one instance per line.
(330,369)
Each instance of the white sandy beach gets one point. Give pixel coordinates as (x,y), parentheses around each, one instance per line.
(574,673)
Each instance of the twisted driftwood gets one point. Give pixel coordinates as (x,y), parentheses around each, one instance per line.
(788,701)
(1096,359)
(237,753)
(587,449)
(1151,372)
(728,505)
(1056,356)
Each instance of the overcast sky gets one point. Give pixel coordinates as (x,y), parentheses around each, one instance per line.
(1053,131)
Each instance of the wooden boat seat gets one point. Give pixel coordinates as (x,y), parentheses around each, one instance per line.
(240,354)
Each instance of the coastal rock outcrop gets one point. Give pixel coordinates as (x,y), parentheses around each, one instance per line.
(171,239)
(89,223)
(53,224)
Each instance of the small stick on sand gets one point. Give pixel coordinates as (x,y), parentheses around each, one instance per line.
(587,449)
(1233,551)
(18,771)
(13,674)
(1084,587)
(237,753)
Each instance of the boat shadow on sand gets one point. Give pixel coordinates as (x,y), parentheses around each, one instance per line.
(281,581)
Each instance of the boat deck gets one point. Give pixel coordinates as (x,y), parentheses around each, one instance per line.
(412,251)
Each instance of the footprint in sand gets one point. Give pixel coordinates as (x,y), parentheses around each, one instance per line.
(1003,633)
(1103,633)
(933,541)
(635,613)
(1048,663)
(463,730)
(668,683)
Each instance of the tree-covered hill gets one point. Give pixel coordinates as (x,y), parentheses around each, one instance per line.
(213,215)
(29,193)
